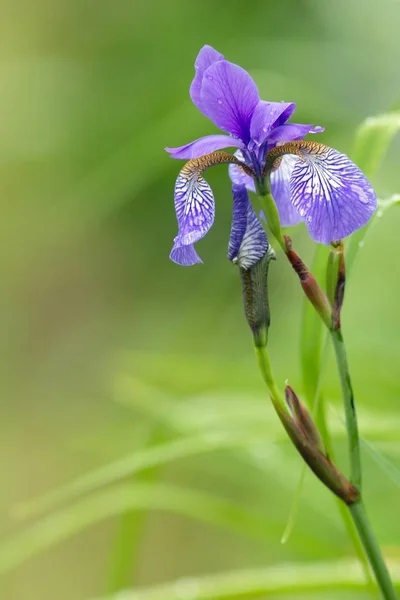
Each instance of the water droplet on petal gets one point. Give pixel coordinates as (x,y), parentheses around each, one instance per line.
(219,101)
(210,77)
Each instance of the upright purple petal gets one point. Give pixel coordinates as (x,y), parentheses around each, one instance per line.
(195,211)
(206,57)
(280,179)
(291,132)
(238,176)
(268,115)
(204,145)
(331,193)
(228,97)
(248,241)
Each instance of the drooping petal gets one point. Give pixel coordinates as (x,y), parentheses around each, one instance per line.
(204,145)
(291,132)
(228,97)
(280,178)
(248,241)
(206,57)
(185,256)
(238,176)
(268,115)
(195,211)
(330,192)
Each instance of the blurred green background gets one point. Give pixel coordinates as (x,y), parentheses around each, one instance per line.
(107,346)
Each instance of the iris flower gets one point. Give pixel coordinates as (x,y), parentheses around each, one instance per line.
(308,181)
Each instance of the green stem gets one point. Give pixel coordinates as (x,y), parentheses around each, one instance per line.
(357,511)
(373,551)
(266,371)
(366,537)
(331,277)
(349,408)
(272,216)
(342,508)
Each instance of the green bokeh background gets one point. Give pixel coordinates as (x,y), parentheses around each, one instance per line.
(97,321)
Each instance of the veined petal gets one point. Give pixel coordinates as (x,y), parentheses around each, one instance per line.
(228,97)
(291,132)
(194,205)
(268,115)
(248,241)
(206,57)
(185,256)
(238,176)
(204,145)
(280,178)
(195,211)
(330,192)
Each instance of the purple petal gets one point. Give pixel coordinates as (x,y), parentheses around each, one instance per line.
(331,193)
(185,256)
(228,97)
(238,176)
(291,131)
(206,57)
(280,179)
(268,115)
(195,211)
(204,145)
(248,242)
(239,220)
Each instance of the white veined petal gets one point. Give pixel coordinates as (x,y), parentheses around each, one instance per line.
(280,179)
(194,206)
(330,193)
(248,241)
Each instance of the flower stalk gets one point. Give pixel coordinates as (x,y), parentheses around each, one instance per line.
(298,426)
(336,275)
(329,307)
(293,414)
(373,551)
(272,216)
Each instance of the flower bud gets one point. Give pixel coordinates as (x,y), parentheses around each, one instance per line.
(303,420)
(249,249)
(309,284)
(255,297)
(318,462)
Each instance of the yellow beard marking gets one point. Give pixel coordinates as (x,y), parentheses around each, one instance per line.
(199,165)
(299,148)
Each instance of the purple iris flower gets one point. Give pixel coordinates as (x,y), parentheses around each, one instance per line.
(309,182)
